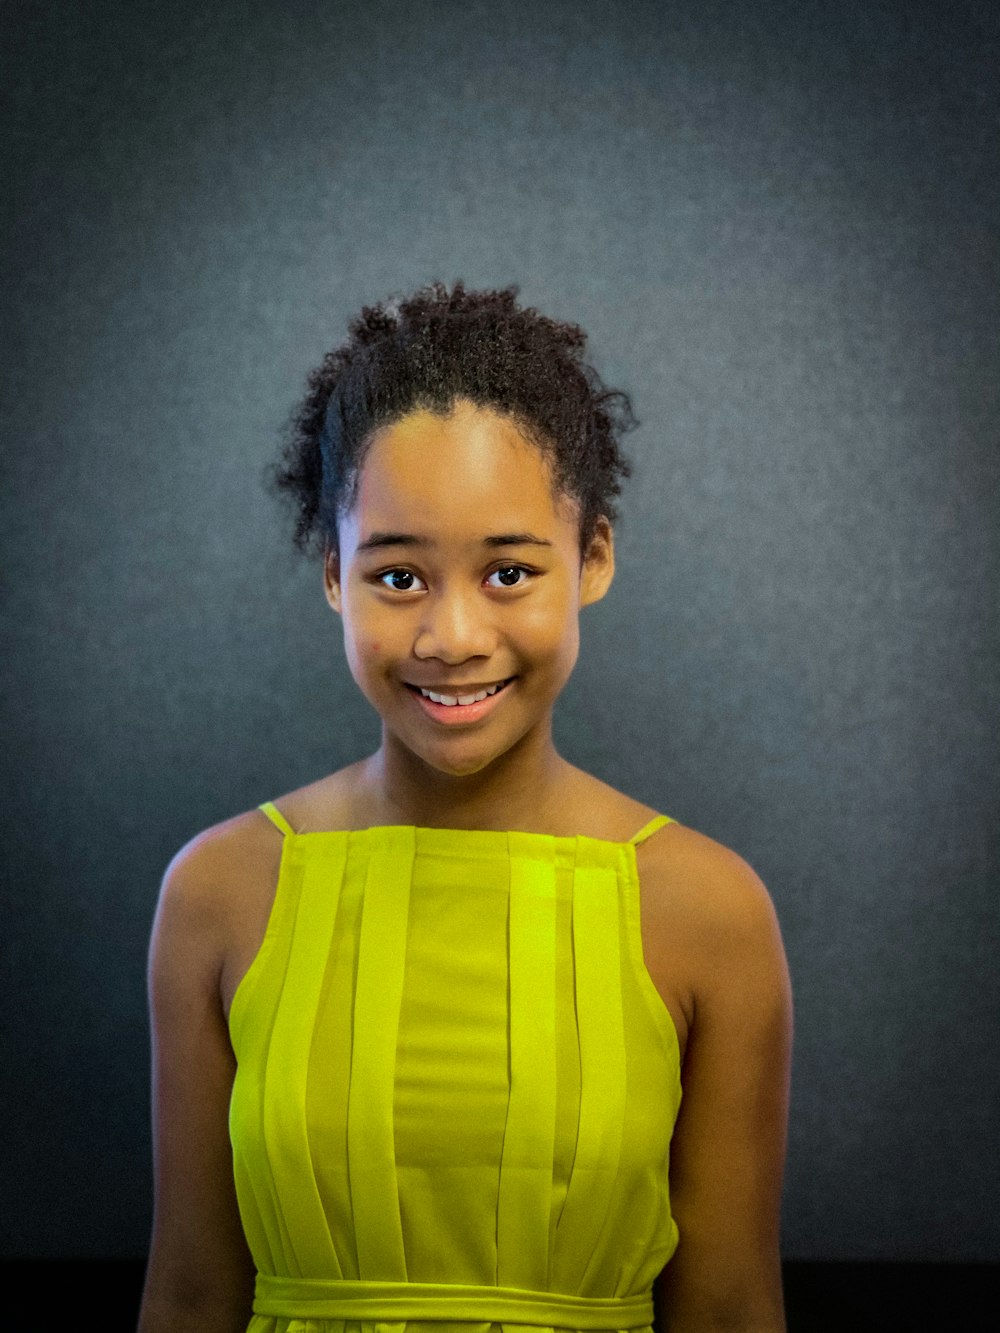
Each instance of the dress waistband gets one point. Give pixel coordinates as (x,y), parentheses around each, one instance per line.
(395,1302)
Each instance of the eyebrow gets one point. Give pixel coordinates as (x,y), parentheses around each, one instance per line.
(379,539)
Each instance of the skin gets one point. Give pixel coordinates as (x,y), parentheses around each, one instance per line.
(452,610)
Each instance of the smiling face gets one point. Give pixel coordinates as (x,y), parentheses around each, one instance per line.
(459,569)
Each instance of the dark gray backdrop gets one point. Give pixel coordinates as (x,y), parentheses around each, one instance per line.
(779,224)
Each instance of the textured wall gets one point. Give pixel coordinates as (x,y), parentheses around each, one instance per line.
(779,224)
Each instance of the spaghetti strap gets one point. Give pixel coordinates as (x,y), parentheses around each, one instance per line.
(276,817)
(649,828)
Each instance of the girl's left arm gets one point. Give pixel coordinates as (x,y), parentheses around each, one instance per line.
(728,1151)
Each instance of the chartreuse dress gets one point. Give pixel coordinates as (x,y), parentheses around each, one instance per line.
(456,1087)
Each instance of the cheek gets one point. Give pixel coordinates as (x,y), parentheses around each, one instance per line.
(368,652)
(550,622)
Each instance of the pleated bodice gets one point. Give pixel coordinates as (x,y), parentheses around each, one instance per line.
(456,1086)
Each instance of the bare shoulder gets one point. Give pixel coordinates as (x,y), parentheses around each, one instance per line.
(215,898)
(225,876)
(702,883)
(206,870)
(708,924)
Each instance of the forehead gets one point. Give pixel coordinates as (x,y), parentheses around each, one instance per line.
(459,475)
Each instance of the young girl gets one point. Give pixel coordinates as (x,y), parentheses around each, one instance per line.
(421,1028)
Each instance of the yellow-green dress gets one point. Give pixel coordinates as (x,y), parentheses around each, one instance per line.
(456,1086)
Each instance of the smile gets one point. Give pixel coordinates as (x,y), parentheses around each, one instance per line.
(460,708)
(465,698)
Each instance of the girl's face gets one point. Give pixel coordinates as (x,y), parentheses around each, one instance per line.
(459,570)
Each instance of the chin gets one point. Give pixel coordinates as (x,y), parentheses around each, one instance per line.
(451,762)
(458,769)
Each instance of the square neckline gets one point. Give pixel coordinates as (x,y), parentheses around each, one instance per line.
(271,811)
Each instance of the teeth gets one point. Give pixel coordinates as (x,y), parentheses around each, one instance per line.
(452,700)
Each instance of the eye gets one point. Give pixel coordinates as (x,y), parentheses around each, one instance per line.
(397,574)
(505,570)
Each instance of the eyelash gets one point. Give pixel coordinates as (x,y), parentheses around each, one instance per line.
(397,570)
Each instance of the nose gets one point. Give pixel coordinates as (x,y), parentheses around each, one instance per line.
(456,624)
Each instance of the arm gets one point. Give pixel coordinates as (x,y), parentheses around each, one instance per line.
(200,1274)
(728,1151)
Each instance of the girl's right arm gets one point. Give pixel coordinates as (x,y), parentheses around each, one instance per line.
(200,1274)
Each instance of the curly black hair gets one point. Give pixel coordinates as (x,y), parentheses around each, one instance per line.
(429,350)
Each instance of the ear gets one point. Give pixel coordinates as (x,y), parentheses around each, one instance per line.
(331,579)
(598,564)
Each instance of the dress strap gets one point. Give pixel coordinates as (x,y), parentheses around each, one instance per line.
(649,828)
(276,817)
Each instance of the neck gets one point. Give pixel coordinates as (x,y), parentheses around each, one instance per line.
(522,788)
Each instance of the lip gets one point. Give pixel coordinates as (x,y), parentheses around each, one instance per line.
(452,715)
(456,691)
